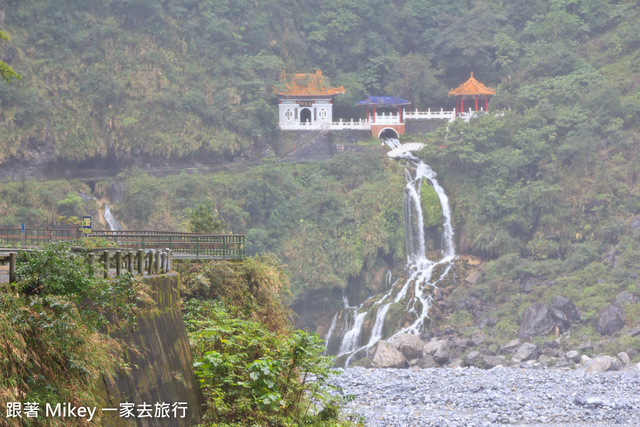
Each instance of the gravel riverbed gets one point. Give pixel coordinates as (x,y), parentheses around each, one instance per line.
(475,397)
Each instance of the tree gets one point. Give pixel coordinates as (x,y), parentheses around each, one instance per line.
(203,218)
(7,72)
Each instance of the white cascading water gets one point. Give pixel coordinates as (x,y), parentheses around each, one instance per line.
(418,265)
(114,225)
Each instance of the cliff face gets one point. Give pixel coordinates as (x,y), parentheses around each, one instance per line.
(161,369)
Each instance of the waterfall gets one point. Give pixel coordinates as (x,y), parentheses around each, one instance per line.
(376,332)
(332,327)
(419,267)
(114,225)
(352,337)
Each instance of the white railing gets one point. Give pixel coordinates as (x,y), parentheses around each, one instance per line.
(360,124)
(382,119)
(317,125)
(425,115)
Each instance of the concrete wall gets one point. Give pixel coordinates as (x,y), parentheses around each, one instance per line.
(413,126)
(161,367)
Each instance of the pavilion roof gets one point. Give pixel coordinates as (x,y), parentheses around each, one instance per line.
(472,87)
(300,84)
(383,101)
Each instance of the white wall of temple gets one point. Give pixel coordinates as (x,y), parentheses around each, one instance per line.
(317,112)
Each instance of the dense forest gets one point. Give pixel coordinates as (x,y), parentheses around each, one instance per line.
(546,188)
(178,77)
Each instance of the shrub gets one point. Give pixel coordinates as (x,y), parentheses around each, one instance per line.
(254,376)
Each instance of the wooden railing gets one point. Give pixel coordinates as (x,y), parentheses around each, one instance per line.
(114,261)
(189,245)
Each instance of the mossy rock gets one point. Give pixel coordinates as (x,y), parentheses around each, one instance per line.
(431,208)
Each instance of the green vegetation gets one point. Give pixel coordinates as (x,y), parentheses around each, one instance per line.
(253,368)
(53,345)
(7,72)
(38,204)
(327,221)
(203,218)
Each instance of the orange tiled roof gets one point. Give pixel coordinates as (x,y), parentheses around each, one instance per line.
(472,87)
(305,85)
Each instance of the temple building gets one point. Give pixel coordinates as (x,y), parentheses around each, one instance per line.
(472,95)
(382,124)
(305,101)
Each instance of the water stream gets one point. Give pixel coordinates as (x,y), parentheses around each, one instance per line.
(114,225)
(413,292)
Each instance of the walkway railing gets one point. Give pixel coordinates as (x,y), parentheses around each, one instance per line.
(425,115)
(191,245)
(114,261)
(186,245)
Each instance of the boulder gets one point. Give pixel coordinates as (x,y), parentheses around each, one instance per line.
(564,312)
(477,337)
(546,360)
(634,224)
(474,276)
(472,358)
(408,344)
(603,364)
(440,350)
(624,357)
(584,359)
(625,298)
(536,320)
(611,319)
(461,343)
(488,362)
(573,356)
(384,355)
(427,361)
(510,346)
(527,351)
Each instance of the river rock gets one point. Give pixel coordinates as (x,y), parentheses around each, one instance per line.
(488,362)
(461,343)
(384,355)
(472,358)
(536,320)
(478,337)
(440,350)
(527,351)
(611,319)
(409,345)
(563,311)
(427,361)
(510,346)
(603,364)
(573,355)
(624,357)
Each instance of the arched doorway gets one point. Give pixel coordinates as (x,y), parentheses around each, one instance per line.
(388,133)
(305,115)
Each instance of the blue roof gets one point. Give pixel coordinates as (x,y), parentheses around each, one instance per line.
(383,101)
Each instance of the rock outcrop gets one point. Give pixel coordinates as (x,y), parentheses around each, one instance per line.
(536,320)
(611,320)
(384,355)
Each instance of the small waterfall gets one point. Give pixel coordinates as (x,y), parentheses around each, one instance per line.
(419,267)
(114,225)
(376,332)
(332,328)
(352,337)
